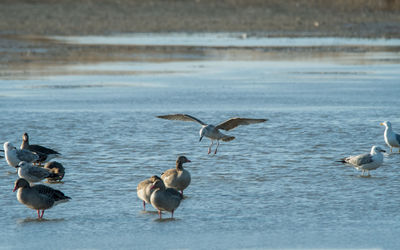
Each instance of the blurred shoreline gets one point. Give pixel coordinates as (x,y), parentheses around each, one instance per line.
(25,25)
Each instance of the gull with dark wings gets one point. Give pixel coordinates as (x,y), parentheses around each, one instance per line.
(211,131)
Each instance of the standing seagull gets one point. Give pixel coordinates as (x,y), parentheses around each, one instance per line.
(391,138)
(32,173)
(14,156)
(177,178)
(38,197)
(211,131)
(366,162)
(45,154)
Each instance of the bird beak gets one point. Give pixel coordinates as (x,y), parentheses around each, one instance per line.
(381,123)
(188,160)
(201,137)
(384,151)
(152,187)
(15,188)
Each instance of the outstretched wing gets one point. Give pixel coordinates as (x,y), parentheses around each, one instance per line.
(182,117)
(234,122)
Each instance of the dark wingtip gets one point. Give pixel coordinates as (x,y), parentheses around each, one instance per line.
(341,161)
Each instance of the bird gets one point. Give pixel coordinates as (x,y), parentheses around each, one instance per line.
(14,156)
(164,199)
(212,131)
(38,197)
(45,154)
(366,162)
(177,178)
(32,173)
(144,191)
(57,169)
(391,138)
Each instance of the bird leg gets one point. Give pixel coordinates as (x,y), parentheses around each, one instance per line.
(144,205)
(159,213)
(215,152)
(172,214)
(38,214)
(41,216)
(209,148)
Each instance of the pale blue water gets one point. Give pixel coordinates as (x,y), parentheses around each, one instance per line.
(277,185)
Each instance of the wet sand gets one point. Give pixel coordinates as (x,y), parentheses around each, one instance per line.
(24,23)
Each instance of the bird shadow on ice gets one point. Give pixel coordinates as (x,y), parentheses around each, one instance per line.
(165,220)
(37,220)
(148,212)
(370,177)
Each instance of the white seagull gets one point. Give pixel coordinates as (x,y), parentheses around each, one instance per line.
(32,173)
(391,138)
(14,156)
(211,131)
(366,162)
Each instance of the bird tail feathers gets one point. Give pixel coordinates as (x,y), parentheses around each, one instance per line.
(228,138)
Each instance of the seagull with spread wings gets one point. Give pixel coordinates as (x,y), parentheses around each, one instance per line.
(211,131)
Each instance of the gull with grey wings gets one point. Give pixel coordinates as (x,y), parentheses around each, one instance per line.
(212,131)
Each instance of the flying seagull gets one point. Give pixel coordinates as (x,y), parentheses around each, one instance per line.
(211,131)
(391,138)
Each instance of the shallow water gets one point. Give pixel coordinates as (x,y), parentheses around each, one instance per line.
(277,185)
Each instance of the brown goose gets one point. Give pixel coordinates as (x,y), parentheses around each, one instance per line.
(144,189)
(57,169)
(164,199)
(38,197)
(45,154)
(178,177)
(211,131)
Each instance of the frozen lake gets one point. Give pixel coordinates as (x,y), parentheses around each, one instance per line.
(276,185)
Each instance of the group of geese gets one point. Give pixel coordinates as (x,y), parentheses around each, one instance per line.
(163,193)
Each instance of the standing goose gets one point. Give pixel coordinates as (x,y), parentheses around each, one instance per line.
(32,173)
(45,154)
(211,131)
(144,189)
(177,178)
(366,162)
(391,138)
(164,199)
(38,197)
(14,156)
